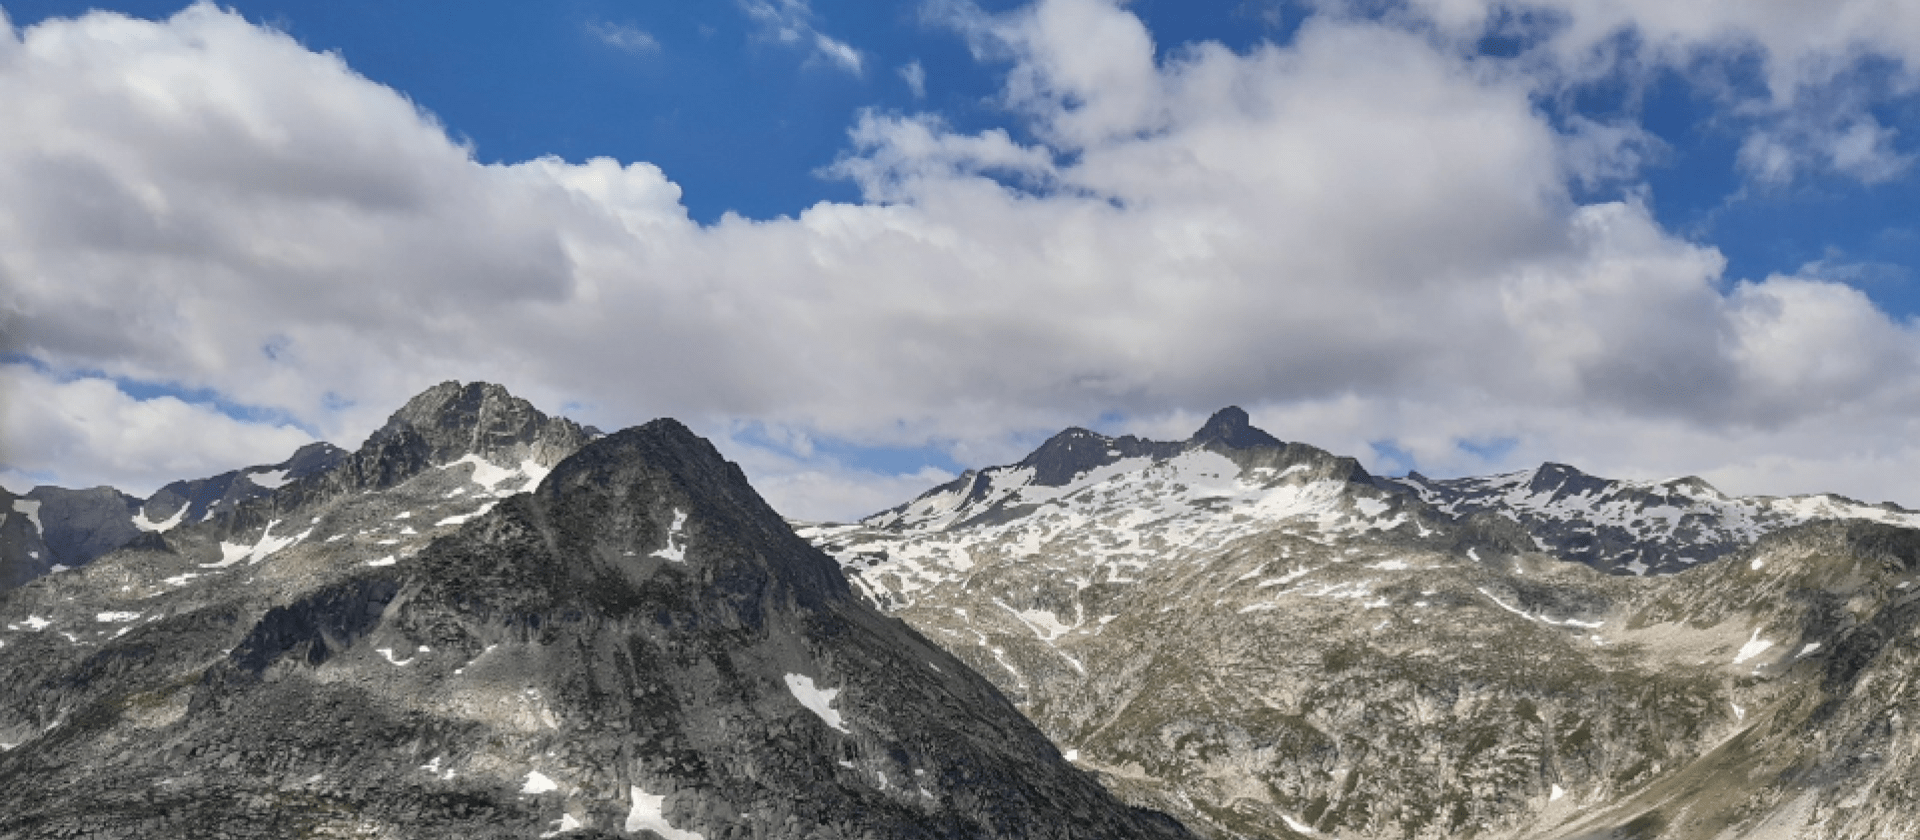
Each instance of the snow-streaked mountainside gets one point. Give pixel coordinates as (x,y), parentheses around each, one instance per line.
(53,529)
(487,622)
(1267,641)
(1637,527)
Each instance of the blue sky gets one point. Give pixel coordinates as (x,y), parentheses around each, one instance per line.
(1646,174)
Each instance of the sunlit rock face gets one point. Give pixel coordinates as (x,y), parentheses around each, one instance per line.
(1267,641)
(488,623)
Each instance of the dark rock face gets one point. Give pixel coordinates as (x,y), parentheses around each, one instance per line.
(638,648)
(54,526)
(80,525)
(207,497)
(1232,427)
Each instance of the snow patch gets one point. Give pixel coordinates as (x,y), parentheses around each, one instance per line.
(268,479)
(1754,647)
(116,617)
(817,700)
(1297,825)
(34,623)
(676,550)
(32,510)
(537,782)
(231,553)
(384,561)
(142,522)
(485,473)
(463,518)
(563,825)
(1558,794)
(1807,651)
(646,814)
(388,653)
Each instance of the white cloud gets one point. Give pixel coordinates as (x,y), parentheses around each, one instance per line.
(791,22)
(624,36)
(916,78)
(89,433)
(1822,66)
(1365,235)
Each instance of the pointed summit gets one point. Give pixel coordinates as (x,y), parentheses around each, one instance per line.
(1231,426)
(659,496)
(1066,455)
(481,418)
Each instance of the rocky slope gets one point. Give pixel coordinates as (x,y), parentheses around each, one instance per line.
(1637,527)
(53,528)
(484,624)
(1268,642)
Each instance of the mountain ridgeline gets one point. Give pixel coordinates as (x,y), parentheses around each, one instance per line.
(488,623)
(1267,641)
(491,622)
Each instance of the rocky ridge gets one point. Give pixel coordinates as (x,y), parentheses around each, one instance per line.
(1637,527)
(1268,642)
(469,629)
(52,529)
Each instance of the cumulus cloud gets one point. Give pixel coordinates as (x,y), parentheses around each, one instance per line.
(89,433)
(1804,112)
(1366,236)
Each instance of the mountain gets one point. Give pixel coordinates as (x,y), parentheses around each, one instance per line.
(487,622)
(53,529)
(1637,527)
(1267,641)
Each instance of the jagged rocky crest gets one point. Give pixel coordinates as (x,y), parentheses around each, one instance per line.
(1267,641)
(637,647)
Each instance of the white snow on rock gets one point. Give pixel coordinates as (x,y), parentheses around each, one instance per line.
(269,479)
(384,561)
(538,783)
(116,617)
(676,550)
(1558,794)
(563,825)
(231,553)
(1297,825)
(646,814)
(817,700)
(388,653)
(405,514)
(463,518)
(1754,647)
(485,473)
(33,622)
(534,473)
(32,510)
(141,521)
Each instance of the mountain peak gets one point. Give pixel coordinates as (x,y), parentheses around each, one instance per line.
(1067,454)
(1232,426)
(453,419)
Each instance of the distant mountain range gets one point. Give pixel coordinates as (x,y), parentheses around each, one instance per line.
(490,622)
(1267,641)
